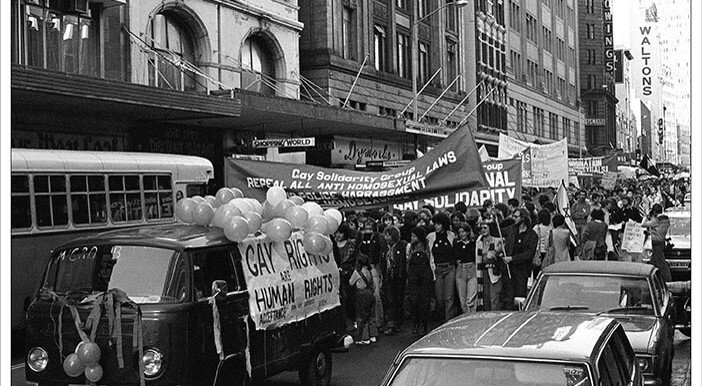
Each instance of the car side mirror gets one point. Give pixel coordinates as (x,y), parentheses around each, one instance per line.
(219,289)
(519,302)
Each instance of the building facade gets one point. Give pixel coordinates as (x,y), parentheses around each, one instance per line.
(597,89)
(543,72)
(626,119)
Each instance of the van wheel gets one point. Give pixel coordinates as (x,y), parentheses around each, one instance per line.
(317,371)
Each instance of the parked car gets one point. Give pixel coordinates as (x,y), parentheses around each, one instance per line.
(519,348)
(633,293)
(172,272)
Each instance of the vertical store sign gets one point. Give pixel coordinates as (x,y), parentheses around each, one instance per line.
(608,37)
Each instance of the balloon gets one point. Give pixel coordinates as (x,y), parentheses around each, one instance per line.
(241,203)
(282,208)
(236,229)
(93,373)
(268,211)
(335,214)
(254,220)
(297,216)
(318,224)
(328,246)
(72,365)
(212,200)
(224,195)
(313,242)
(203,214)
(279,230)
(185,210)
(257,207)
(313,209)
(275,195)
(333,224)
(237,193)
(224,213)
(198,199)
(297,200)
(88,353)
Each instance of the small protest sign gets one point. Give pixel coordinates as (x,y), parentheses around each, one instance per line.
(633,238)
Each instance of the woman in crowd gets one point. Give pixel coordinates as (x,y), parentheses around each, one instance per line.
(345,256)
(365,301)
(372,244)
(593,237)
(419,280)
(395,268)
(543,231)
(456,218)
(443,263)
(489,265)
(559,241)
(466,279)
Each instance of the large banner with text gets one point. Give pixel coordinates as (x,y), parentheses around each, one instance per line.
(592,166)
(542,165)
(285,283)
(453,165)
(504,179)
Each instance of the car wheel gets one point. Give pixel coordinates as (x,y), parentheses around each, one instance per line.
(685,331)
(317,371)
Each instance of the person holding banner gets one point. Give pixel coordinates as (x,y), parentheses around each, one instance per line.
(657,225)
(443,263)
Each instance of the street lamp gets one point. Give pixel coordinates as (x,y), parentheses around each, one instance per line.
(415,44)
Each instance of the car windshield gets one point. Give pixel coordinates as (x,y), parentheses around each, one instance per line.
(679,226)
(145,274)
(593,293)
(430,371)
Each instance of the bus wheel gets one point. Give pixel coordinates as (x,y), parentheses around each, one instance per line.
(317,370)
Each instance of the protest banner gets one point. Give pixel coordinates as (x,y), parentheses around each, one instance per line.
(592,166)
(453,165)
(609,180)
(542,165)
(504,182)
(633,238)
(285,283)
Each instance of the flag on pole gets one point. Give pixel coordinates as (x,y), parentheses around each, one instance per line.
(563,207)
(484,156)
(648,165)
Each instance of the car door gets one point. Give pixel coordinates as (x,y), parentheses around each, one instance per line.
(616,363)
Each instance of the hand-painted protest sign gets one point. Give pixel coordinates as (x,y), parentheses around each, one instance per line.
(592,166)
(542,165)
(453,165)
(609,180)
(285,283)
(633,238)
(504,182)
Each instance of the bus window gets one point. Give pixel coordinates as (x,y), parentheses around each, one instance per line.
(88,203)
(158,197)
(21,210)
(125,198)
(50,200)
(196,190)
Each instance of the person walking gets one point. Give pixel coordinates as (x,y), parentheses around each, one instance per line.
(657,225)
(489,266)
(543,231)
(367,332)
(579,212)
(466,278)
(519,262)
(394,279)
(373,245)
(593,237)
(419,280)
(345,256)
(443,263)
(559,241)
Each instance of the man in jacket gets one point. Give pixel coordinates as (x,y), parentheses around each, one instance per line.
(520,258)
(657,225)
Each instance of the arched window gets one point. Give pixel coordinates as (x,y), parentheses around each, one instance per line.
(258,66)
(172,61)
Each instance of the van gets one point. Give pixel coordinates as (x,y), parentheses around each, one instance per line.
(179,297)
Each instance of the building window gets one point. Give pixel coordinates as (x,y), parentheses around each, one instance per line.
(591,57)
(547,39)
(561,91)
(452,63)
(560,51)
(539,122)
(451,18)
(592,108)
(548,78)
(258,67)
(515,17)
(380,48)
(590,30)
(348,32)
(403,55)
(516,62)
(421,8)
(591,82)
(402,4)
(533,69)
(521,117)
(590,6)
(566,130)
(553,126)
(173,46)
(423,62)
(531,28)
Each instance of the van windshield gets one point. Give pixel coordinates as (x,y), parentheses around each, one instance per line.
(145,274)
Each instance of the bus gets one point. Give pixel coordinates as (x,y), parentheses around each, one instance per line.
(58,195)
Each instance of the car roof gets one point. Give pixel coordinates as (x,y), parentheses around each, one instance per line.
(601,267)
(176,236)
(517,334)
(678,212)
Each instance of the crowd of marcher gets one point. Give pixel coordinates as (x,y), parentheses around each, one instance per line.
(411,268)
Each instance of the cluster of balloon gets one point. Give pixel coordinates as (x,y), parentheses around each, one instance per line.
(84,361)
(277,217)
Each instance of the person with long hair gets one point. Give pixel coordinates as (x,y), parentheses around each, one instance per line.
(543,231)
(489,265)
(372,244)
(466,278)
(365,301)
(345,256)
(419,280)
(443,263)
(395,263)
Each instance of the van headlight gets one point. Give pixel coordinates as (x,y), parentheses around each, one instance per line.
(37,359)
(153,361)
(644,363)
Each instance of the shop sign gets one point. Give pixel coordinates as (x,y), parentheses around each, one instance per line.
(595,121)
(286,142)
(434,131)
(61,141)
(352,151)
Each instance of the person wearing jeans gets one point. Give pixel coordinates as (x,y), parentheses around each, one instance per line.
(442,262)
(466,278)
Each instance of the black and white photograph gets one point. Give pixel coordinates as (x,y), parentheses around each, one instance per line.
(350,192)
